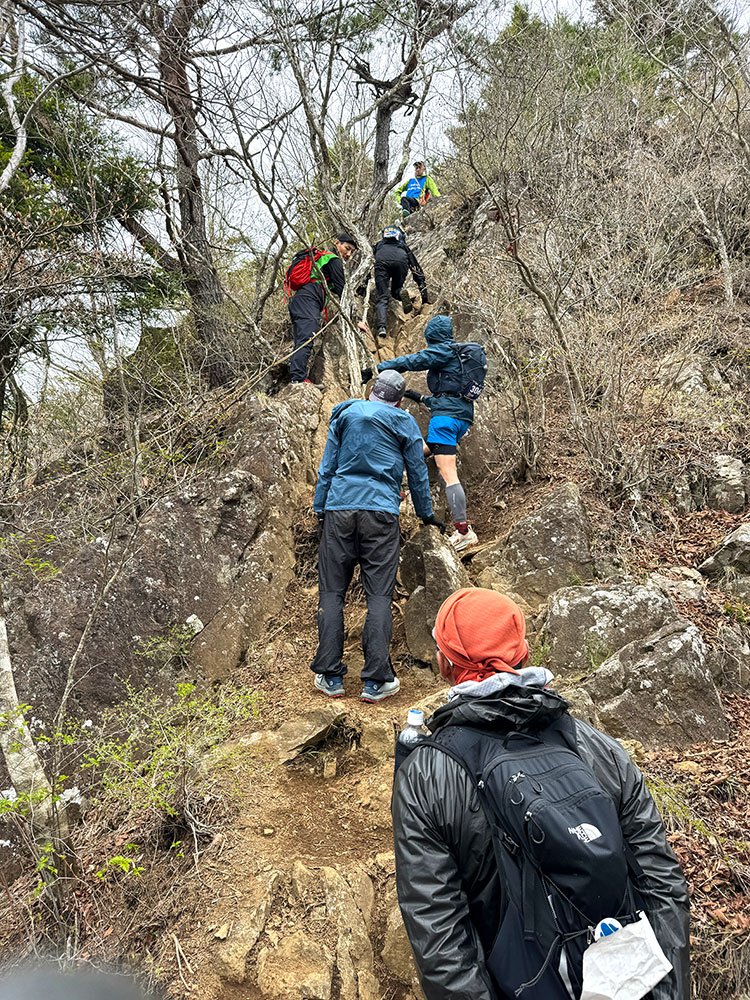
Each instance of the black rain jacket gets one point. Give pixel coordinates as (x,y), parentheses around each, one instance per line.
(400,254)
(448,886)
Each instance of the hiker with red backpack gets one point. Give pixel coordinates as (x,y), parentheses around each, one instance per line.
(309,278)
(393,260)
(455,376)
(531,861)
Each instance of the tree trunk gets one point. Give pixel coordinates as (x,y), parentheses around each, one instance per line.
(200,275)
(381,155)
(46,817)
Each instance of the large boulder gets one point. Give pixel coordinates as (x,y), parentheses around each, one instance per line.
(218,545)
(726,483)
(544,551)
(342,902)
(239,935)
(716,482)
(730,659)
(430,571)
(489,438)
(731,562)
(298,967)
(583,626)
(659,690)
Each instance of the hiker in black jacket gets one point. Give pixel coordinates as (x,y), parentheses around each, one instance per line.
(448,879)
(308,302)
(393,261)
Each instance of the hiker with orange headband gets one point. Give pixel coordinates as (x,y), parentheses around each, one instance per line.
(528,847)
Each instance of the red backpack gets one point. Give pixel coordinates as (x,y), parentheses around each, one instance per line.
(305,267)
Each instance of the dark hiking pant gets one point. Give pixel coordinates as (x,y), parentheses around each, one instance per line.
(409,205)
(372,539)
(389,280)
(305,311)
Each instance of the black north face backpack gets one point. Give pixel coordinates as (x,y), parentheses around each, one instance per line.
(561,857)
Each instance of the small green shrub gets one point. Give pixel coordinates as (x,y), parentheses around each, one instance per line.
(150,760)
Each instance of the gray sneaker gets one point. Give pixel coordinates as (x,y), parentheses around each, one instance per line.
(330,685)
(382,332)
(373,692)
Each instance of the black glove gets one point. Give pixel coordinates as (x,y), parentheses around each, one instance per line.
(320,516)
(416,397)
(435,522)
(367,374)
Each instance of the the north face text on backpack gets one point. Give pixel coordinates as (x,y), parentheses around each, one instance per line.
(585,832)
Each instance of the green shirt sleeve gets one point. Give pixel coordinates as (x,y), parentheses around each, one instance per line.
(432,187)
(400,190)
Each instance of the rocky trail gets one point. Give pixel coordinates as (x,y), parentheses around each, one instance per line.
(276,879)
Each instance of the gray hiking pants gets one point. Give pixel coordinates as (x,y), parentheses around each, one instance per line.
(372,539)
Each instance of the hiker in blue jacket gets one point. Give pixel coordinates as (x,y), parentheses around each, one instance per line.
(357,500)
(451,418)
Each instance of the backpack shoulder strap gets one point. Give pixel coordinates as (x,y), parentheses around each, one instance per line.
(465,745)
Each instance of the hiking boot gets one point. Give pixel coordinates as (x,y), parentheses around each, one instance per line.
(463,541)
(373,691)
(330,684)
(406,301)
(382,332)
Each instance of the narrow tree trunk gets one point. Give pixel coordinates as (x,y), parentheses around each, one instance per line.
(381,155)
(25,769)
(200,275)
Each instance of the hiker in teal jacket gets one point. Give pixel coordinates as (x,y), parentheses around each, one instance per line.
(451,415)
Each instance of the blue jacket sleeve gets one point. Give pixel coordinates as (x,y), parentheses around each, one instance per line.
(436,356)
(416,472)
(328,466)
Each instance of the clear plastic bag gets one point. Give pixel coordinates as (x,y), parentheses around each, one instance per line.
(625,965)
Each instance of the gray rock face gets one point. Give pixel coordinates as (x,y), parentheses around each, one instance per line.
(720,482)
(343,903)
(242,932)
(219,548)
(482,447)
(584,626)
(680,582)
(297,967)
(397,953)
(659,690)
(545,551)
(733,555)
(730,662)
(726,483)
(431,571)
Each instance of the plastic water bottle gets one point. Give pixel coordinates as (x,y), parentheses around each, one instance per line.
(414,730)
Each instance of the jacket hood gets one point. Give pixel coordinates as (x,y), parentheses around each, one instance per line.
(439,330)
(502,703)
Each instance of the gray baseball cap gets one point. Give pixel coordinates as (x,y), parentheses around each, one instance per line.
(389,387)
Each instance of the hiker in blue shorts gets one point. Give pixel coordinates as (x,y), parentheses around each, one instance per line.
(452,414)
